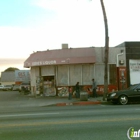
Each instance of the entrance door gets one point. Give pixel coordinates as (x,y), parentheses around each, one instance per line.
(49,86)
(122,83)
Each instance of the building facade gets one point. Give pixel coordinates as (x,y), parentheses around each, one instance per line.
(132,58)
(16,77)
(52,71)
(8,78)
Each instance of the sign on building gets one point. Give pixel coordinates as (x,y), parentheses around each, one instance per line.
(134,68)
(22,76)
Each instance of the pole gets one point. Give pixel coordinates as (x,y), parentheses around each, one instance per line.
(106,51)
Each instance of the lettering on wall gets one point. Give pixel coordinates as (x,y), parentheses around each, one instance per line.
(22,76)
(134,69)
(43,63)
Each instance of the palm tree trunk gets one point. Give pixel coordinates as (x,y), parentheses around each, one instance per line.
(106,51)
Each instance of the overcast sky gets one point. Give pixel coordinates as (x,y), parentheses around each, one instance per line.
(37,25)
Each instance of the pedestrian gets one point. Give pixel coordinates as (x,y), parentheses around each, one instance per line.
(70,93)
(94,86)
(77,89)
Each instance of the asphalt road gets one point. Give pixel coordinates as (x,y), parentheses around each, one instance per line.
(69,123)
(96,122)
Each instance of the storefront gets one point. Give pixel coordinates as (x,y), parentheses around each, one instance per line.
(53,71)
(132,67)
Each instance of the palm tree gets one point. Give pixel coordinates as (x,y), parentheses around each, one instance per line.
(106,51)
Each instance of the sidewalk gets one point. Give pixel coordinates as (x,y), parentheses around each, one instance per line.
(63,101)
(16,100)
(41,101)
(90,101)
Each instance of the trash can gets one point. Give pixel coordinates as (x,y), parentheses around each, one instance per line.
(83,96)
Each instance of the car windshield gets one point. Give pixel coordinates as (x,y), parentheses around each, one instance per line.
(132,87)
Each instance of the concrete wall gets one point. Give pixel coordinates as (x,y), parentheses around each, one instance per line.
(99,65)
(8,76)
(34,71)
(47,70)
(113,51)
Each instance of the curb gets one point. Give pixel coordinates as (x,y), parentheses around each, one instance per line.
(79,103)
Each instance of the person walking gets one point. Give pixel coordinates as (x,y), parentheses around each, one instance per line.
(94,86)
(77,89)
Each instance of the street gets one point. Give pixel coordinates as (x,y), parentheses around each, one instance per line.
(98,122)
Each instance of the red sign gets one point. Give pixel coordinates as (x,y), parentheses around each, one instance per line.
(100,89)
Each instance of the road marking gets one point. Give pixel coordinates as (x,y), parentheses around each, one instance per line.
(25,124)
(20,115)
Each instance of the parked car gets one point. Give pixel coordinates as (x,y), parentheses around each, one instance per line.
(16,87)
(8,87)
(123,97)
(2,87)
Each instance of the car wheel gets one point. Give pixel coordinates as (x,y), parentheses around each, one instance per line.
(123,100)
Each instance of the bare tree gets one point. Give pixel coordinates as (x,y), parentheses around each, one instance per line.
(106,51)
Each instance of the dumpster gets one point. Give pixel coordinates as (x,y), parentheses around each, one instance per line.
(83,96)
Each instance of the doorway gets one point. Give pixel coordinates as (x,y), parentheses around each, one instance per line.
(49,88)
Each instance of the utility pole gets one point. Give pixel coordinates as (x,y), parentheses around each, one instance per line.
(106,51)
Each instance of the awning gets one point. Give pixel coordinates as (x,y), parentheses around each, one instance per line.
(61,56)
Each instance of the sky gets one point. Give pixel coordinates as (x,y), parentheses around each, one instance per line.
(27,26)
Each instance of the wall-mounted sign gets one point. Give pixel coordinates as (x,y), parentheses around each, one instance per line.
(43,63)
(22,76)
(134,68)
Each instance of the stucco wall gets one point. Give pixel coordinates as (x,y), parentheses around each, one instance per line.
(62,75)
(47,70)
(99,76)
(112,59)
(113,51)
(8,76)
(34,74)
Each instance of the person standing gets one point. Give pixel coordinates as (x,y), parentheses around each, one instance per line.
(70,93)
(77,89)
(94,86)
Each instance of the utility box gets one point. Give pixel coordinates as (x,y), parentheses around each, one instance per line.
(83,96)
